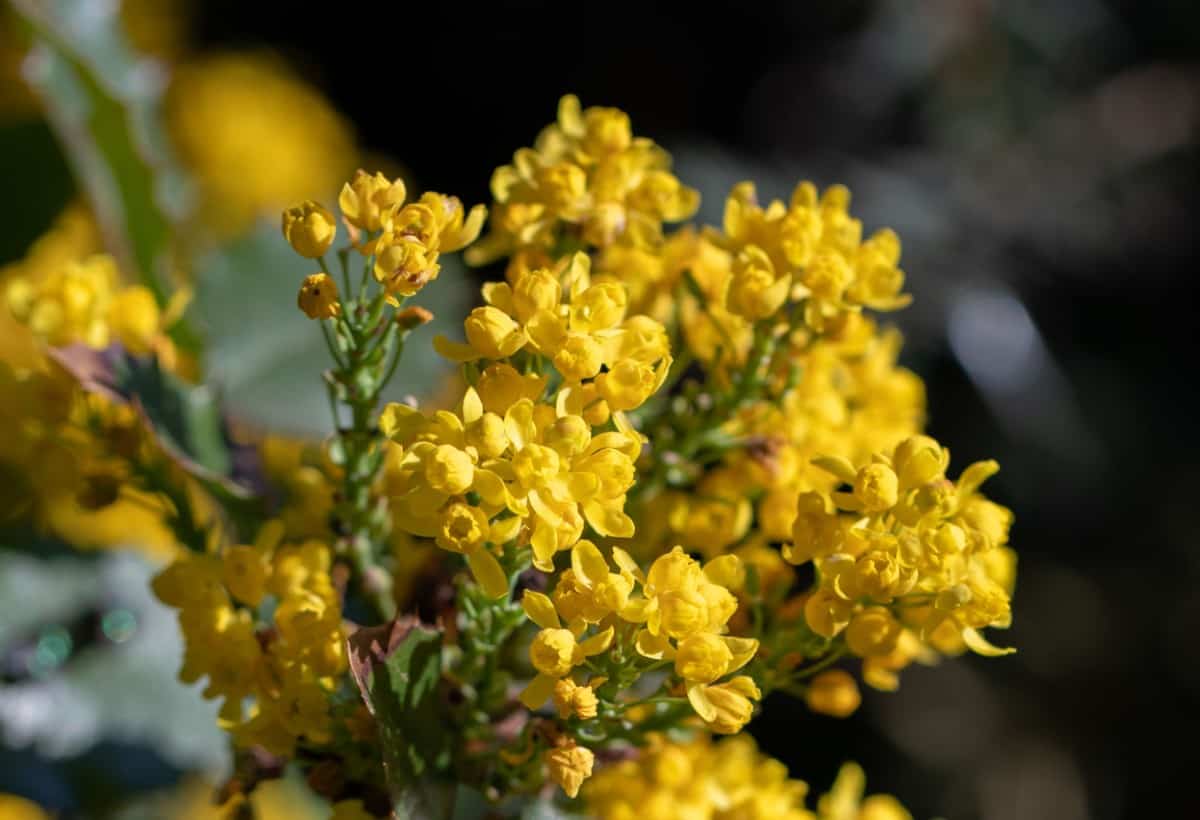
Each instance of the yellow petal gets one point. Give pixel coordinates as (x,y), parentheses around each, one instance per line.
(698,696)
(472,406)
(742,649)
(538,691)
(636,611)
(597,643)
(589,565)
(626,564)
(504,530)
(838,466)
(490,488)
(608,520)
(975,475)
(540,610)
(488,573)
(726,570)
(654,647)
(544,543)
(982,646)
(455,351)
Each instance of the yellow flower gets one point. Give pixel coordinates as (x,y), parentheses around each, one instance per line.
(255,137)
(732,704)
(834,693)
(368,198)
(572,699)
(569,766)
(309,228)
(873,632)
(876,487)
(555,651)
(493,333)
(318,297)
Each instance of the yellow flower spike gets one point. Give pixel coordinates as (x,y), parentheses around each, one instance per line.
(318,297)
(833,693)
(367,198)
(569,766)
(540,609)
(309,228)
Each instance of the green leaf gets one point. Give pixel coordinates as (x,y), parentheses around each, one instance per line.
(102,101)
(268,357)
(398,669)
(187,420)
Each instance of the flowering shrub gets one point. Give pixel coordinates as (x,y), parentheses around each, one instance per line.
(656,423)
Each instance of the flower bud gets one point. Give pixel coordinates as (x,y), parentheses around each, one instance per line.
(309,228)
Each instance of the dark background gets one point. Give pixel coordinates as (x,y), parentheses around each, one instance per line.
(1039,160)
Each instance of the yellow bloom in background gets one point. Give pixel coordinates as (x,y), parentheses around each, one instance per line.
(18,808)
(256,137)
(833,693)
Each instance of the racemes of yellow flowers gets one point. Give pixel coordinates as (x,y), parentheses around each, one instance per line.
(655,426)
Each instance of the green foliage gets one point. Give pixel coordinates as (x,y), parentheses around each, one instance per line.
(398,668)
(267,356)
(102,102)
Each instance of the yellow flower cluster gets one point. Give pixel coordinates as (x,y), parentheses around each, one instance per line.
(402,241)
(587,180)
(810,251)
(508,467)
(676,613)
(83,301)
(852,401)
(578,325)
(275,674)
(700,780)
(905,549)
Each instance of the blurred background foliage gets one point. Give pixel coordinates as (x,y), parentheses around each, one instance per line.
(1038,159)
